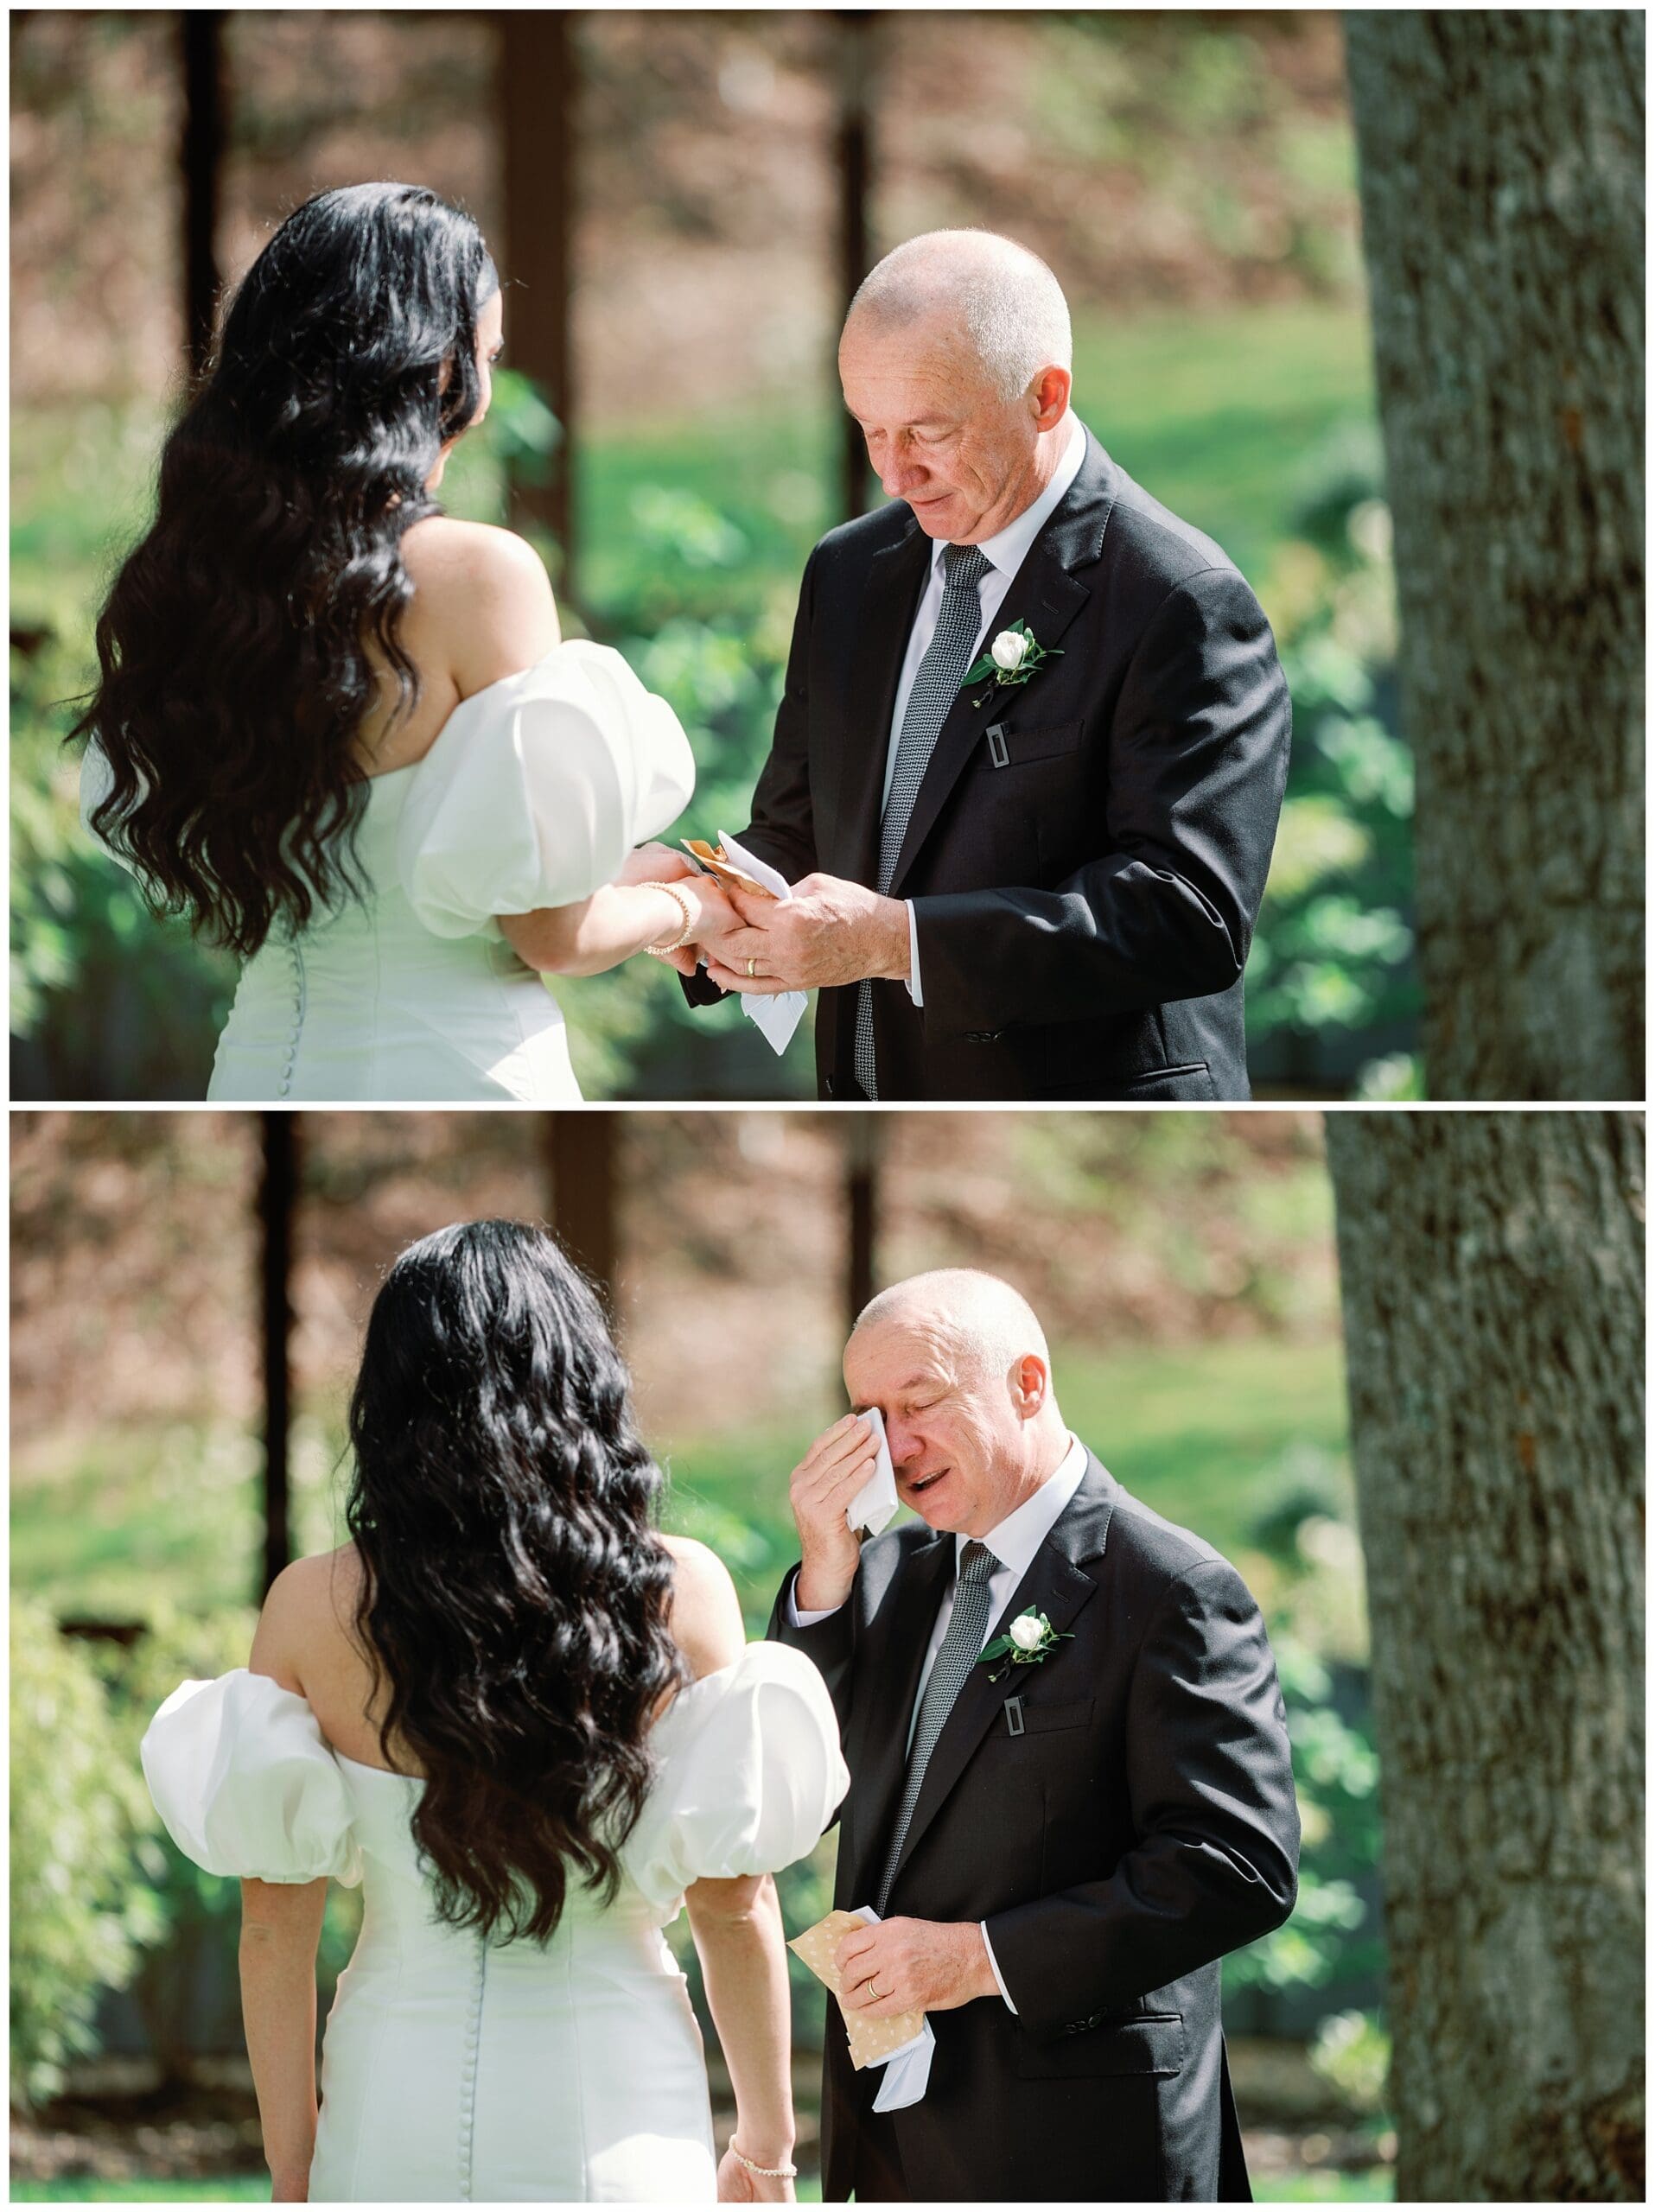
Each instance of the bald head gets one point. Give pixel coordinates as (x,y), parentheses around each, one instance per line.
(956,1363)
(994,298)
(980,1318)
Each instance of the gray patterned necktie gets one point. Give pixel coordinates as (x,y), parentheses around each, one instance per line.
(961,1645)
(936,682)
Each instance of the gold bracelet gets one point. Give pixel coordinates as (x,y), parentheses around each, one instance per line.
(771,2173)
(683,906)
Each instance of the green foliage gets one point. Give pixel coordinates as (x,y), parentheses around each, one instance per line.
(78,1811)
(1332,959)
(1352,2050)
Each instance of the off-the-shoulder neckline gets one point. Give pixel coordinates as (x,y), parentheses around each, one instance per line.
(700,1682)
(390,775)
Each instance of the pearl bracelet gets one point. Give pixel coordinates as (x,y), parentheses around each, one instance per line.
(770,2173)
(683,906)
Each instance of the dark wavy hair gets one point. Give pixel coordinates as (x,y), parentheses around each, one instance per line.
(515,1593)
(233,670)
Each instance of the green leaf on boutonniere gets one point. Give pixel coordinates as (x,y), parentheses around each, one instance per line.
(1013,657)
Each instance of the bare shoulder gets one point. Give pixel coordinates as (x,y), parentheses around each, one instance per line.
(305,1618)
(483,597)
(706,1615)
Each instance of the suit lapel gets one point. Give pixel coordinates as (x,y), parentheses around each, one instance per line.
(895,1653)
(1055,1585)
(1048,595)
(896,579)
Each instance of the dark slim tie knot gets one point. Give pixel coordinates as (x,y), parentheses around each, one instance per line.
(962,566)
(976,1562)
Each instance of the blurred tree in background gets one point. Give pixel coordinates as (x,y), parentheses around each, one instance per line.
(1191,178)
(1503,189)
(1491,1272)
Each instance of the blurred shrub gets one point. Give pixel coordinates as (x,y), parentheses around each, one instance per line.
(1331,985)
(199,1915)
(1333,1936)
(1352,2051)
(78,1811)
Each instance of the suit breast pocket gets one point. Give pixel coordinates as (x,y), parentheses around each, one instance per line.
(1030,1716)
(1009,747)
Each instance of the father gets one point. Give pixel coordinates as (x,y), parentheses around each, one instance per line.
(1061,1855)
(1044,888)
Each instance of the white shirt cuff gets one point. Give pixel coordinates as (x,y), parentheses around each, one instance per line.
(915,992)
(796,1619)
(995,1963)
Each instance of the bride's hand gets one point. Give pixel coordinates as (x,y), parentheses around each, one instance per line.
(739,2185)
(656,864)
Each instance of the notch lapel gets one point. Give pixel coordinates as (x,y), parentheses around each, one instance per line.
(896,579)
(1055,1583)
(1046,595)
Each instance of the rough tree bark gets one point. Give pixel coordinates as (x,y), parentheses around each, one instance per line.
(1502,167)
(1491,1269)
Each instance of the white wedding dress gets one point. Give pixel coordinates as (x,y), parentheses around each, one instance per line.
(454,2070)
(532,794)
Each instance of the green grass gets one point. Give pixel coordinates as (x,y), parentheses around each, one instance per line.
(76,2188)
(1373,2185)
(1219,1438)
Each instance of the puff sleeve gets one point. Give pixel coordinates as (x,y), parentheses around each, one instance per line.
(750,1775)
(245,1785)
(537,789)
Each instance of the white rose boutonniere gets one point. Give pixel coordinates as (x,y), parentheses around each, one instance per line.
(1013,657)
(1030,1639)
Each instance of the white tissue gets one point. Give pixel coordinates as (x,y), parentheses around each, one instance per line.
(775,1018)
(876,1501)
(906,2072)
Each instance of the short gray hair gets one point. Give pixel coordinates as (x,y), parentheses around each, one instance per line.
(1004,299)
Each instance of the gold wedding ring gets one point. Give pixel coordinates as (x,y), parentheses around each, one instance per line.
(751,967)
(873,1991)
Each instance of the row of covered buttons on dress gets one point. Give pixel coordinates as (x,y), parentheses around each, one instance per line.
(297,958)
(468,2068)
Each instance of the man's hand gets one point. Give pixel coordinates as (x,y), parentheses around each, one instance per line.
(925,1966)
(830,931)
(821,1487)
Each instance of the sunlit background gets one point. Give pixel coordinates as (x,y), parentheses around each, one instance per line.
(1189,176)
(1183,1265)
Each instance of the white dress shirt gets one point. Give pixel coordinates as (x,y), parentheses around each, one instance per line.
(1005,552)
(1014,1543)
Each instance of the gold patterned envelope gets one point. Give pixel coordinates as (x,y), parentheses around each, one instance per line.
(871,2041)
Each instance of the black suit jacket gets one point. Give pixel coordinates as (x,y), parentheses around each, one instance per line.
(1086,880)
(1141,1823)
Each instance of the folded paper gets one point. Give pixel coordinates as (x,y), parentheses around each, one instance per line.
(775,1017)
(901,2044)
(875,1504)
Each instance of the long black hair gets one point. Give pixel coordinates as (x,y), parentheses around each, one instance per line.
(233,669)
(515,1595)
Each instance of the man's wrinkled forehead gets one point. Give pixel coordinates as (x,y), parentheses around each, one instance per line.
(906,1348)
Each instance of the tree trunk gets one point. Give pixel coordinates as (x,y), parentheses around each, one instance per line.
(538,106)
(582,1152)
(1491,1268)
(1502,166)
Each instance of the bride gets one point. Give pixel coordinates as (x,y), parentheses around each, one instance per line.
(532,1728)
(338,728)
